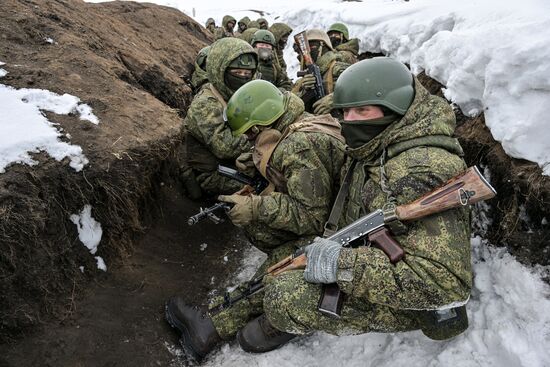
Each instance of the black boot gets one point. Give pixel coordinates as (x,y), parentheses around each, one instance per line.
(259,336)
(198,335)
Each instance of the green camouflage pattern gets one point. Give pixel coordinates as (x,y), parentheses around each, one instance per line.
(310,163)
(279,30)
(223,32)
(231,320)
(290,304)
(199,77)
(213,139)
(436,270)
(349,51)
(248,34)
(273,73)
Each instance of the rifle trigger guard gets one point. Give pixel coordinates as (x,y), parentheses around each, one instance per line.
(464,196)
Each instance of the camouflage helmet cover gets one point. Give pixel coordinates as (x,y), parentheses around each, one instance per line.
(202,55)
(210,21)
(256,103)
(379,81)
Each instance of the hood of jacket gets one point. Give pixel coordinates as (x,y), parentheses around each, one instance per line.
(352,46)
(226,19)
(222,52)
(294,108)
(279,30)
(430,120)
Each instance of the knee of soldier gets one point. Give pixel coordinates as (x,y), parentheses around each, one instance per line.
(288,300)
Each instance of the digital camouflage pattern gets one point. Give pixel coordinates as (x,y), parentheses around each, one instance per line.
(272,72)
(248,34)
(209,140)
(199,77)
(436,270)
(331,66)
(280,30)
(223,32)
(310,164)
(349,51)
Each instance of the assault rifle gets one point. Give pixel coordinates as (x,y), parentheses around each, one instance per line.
(258,184)
(467,188)
(312,68)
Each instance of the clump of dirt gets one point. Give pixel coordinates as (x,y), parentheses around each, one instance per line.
(521,209)
(129,62)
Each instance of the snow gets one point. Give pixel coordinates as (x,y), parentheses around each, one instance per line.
(24,129)
(89,232)
(492,56)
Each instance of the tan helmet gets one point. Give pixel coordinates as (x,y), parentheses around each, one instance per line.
(319,35)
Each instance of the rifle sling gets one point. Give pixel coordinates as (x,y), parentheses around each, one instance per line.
(331,225)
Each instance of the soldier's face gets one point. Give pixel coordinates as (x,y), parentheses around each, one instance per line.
(243,73)
(230,26)
(361,113)
(242,27)
(263,25)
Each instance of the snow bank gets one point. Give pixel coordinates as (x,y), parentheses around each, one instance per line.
(493,57)
(509,327)
(24,128)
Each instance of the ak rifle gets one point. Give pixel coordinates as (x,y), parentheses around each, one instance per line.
(464,189)
(312,68)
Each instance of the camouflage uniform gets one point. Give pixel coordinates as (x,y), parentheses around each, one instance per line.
(331,66)
(280,30)
(223,32)
(273,73)
(349,51)
(248,34)
(310,163)
(416,154)
(245,21)
(209,140)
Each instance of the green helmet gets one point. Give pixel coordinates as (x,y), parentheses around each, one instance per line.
(244,61)
(254,24)
(201,57)
(258,102)
(339,27)
(263,36)
(378,81)
(210,21)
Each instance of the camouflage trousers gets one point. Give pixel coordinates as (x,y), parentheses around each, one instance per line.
(290,304)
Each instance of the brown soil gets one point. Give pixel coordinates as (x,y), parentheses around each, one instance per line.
(118,318)
(128,61)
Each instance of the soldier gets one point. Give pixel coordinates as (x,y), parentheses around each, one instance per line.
(263,23)
(248,34)
(243,25)
(330,64)
(400,146)
(254,24)
(210,25)
(209,141)
(301,155)
(263,42)
(281,31)
(199,77)
(339,37)
(226,30)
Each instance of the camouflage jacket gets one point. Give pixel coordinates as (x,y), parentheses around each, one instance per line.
(349,51)
(199,78)
(222,32)
(279,30)
(210,138)
(273,73)
(420,154)
(310,163)
(331,66)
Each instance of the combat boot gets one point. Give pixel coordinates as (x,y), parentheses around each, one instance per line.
(198,335)
(259,336)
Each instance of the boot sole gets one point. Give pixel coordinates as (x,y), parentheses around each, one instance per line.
(185,337)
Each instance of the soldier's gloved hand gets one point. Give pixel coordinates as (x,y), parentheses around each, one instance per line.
(245,164)
(308,81)
(322,261)
(245,210)
(324,105)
